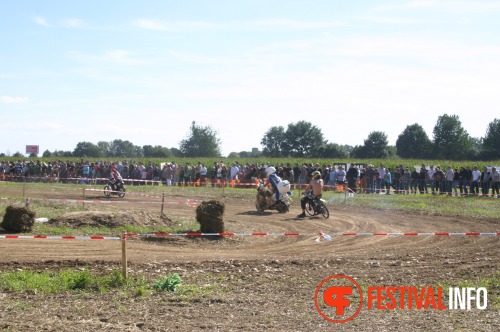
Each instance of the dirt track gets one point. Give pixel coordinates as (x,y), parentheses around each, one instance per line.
(267,283)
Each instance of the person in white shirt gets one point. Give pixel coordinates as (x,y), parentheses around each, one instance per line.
(234,172)
(476,178)
(203,174)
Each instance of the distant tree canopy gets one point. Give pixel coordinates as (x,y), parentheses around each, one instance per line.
(451,141)
(200,142)
(300,139)
(491,142)
(303,139)
(414,143)
(375,146)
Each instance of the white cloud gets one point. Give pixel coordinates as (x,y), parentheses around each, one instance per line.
(117,56)
(73,23)
(152,24)
(14,100)
(295,25)
(41,21)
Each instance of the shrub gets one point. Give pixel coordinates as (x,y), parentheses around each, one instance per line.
(209,214)
(18,219)
(168,283)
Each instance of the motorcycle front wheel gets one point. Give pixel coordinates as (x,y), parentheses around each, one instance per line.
(107,190)
(324,211)
(121,192)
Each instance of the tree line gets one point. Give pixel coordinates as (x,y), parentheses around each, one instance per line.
(302,139)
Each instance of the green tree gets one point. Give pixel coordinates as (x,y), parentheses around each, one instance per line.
(200,142)
(491,142)
(413,143)
(47,154)
(375,146)
(302,139)
(272,142)
(156,151)
(105,148)
(120,148)
(87,149)
(176,152)
(332,150)
(451,141)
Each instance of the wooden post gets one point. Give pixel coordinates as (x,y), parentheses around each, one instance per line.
(124,255)
(162,203)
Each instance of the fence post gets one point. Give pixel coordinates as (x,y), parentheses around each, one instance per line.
(124,255)
(162,203)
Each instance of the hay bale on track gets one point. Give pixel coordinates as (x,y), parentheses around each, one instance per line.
(18,219)
(210,216)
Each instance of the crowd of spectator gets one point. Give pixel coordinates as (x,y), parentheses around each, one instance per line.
(357,178)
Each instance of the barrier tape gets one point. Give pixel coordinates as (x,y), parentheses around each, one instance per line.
(188,202)
(250,234)
(60,237)
(263,234)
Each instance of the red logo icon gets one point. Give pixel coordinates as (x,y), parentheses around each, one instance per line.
(339,299)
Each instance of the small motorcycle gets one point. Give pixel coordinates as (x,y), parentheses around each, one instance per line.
(316,206)
(266,201)
(120,189)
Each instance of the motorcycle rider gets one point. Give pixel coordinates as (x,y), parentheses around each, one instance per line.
(115,177)
(273,179)
(316,185)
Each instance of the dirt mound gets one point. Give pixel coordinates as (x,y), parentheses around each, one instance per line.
(110,219)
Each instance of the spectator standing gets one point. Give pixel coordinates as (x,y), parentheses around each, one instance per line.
(352,177)
(414,181)
(438,181)
(467,181)
(396,181)
(430,178)
(387,180)
(485,181)
(476,179)
(461,179)
(381,178)
(341,175)
(406,181)
(203,175)
(370,179)
(449,176)
(495,182)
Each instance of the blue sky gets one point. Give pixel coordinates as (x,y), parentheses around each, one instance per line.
(74,71)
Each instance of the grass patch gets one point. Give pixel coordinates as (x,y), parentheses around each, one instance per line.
(466,207)
(63,281)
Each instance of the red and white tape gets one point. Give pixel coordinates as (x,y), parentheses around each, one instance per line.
(61,237)
(189,202)
(327,236)
(263,234)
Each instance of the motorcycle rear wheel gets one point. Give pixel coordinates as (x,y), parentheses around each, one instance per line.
(309,209)
(107,190)
(282,208)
